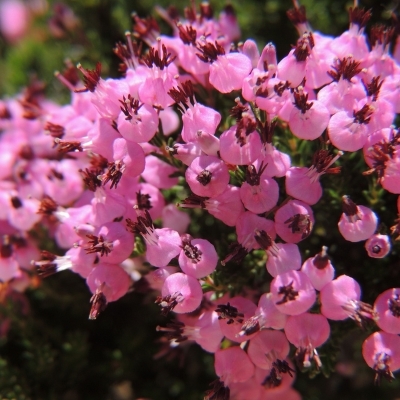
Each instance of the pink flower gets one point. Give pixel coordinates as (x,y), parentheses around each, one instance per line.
(203,329)
(349,131)
(292,292)
(9,267)
(283,257)
(340,299)
(294,221)
(233,365)
(185,152)
(308,120)
(112,242)
(258,194)
(277,380)
(162,244)
(292,69)
(227,71)
(240,144)
(378,246)
(187,51)
(198,257)
(195,116)
(357,223)
(111,278)
(22,213)
(175,219)
(232,316)
(307,331)
(267,347)
(319,269)
(160,77)
(353,41)
(303,183)
(129,161)
(387,306)
(391,178)
(227,206)
(381,351)
(107,204)
(137,122)
(180,293)
(207,176)
(270,316)
(158,173)
(247,227)
(208,143)
(157,277)
(276,162)
(14,19)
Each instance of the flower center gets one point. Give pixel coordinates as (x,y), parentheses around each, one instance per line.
(394,305)
(288,292)
(204,177)
(300,223)
(98,245)
(191,251)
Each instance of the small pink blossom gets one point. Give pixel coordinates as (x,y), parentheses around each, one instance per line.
(387,306)
(207,176)
(357,223)
(378,246)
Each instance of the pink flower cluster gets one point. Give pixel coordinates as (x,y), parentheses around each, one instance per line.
(94,174)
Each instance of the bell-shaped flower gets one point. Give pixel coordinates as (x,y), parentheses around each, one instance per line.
(349,131)
(198,257)
(233,365)
(207,176)
(307,332)
(232,316)
(378,246)
(357,222)
(259,194)
(319,269)
(162,245)
(240,144)
(307,120)
(267,347)
(181,293)
(381,351)
(248,227)
(387,306)
(137,122)
(107,282)
(294,221)
(185,152)
(128,160)
(175,219)
(112,242)
(340,299)
(195,116)
(227,71)
(303,183)
(159,173)
(160,77)
(292,292)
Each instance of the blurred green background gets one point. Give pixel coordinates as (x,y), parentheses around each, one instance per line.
(52,351)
